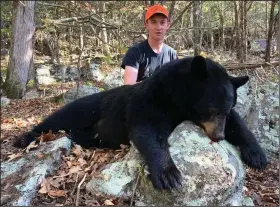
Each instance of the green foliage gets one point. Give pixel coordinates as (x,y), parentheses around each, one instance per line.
(6,32)
(30,83)
(4,68)
(123,49)
(6,10)
(56,99)
(13,90)
(88,83)
(108,59)
(6,21)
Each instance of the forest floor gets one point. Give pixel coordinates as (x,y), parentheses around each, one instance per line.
(20,115)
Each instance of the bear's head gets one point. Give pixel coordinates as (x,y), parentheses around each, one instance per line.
(213,95)
(205,92)
(199,89)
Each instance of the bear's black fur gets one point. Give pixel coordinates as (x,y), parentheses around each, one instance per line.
(191,88)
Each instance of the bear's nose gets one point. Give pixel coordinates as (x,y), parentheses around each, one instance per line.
(219,137)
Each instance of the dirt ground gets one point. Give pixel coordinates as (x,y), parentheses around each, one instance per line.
(20,115)
(67,185)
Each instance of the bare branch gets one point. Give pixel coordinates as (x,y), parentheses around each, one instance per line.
(171,10)
(250,66)
(180,16)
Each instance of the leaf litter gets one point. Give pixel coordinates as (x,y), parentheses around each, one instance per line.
(62,187)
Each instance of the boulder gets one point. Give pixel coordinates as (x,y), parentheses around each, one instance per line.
(83,90)
(213,173)
(20,178)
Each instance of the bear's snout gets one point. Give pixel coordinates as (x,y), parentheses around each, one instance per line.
(215,129)
(217,137)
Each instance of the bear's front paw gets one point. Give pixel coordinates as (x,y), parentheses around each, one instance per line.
(254,157)
(166,178)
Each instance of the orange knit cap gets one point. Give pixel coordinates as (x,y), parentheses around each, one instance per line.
(155,9)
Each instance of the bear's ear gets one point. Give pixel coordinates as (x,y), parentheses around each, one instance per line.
(198,67)
(239,81)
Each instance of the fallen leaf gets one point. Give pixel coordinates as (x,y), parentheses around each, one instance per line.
(203,54)
(74,169)
(7,186)
(61,173)
(14,156)
(87,169)
(77,150)
(44,187)
(48,137)
(31,120)
(56,182)
(30,146)
(69,164)
(82,162)
(56,193)
(103,177)
(92,203)
(108,203)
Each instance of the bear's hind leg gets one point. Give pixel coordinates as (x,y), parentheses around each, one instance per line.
(91,138)
(86,138)
(25,139)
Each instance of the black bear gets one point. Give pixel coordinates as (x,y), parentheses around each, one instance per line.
(193,88)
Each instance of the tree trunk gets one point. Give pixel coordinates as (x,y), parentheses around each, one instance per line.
(21,50)
(196,23)
(104,35)
(171,10)
(266,16)
(269,33)
(241,30)
(222,23)
(70,31)
(244,31)
(241,26)
(212,40)
(81,39)
(277,31)
(237,30)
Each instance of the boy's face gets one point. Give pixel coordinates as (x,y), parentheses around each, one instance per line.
(157,26)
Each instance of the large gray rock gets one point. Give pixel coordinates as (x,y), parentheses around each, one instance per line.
(67,73)
(5,101)
(118,178)
(258,105)
(44,75)
(263,118)
(244,100)
(83,90)
(31,94)
(114,79)
(213,173)
(20,178)
(95,73)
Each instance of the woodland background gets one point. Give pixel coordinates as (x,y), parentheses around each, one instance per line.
(55,36)
(77,32)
